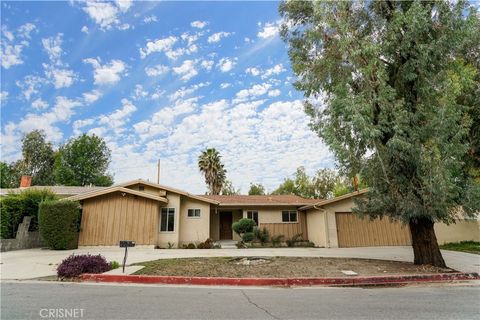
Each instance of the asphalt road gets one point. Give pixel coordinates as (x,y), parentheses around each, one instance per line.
(36,300)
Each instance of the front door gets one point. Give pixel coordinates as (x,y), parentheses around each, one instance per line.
(225,226)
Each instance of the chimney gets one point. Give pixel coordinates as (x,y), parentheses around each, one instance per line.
(26,181)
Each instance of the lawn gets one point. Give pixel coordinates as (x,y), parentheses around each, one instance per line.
(278,267)
(464,246)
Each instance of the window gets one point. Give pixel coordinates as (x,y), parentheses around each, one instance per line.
(289,216)
(193,213)
(167,219)
(253,215)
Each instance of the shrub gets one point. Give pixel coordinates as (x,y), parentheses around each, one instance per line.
(261,235)
(208,244)
(11,208)
(75,265)
(240,244)
(114,265)
(296,238)
(248,237)
(277,240)
(59,223)
(170,245)
(31,199)
(243,225)
(191,246)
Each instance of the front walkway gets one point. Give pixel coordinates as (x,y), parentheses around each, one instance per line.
(33,263)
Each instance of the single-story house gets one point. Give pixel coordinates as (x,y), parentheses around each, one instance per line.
(156,215)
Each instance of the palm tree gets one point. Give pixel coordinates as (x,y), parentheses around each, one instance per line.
(210,164)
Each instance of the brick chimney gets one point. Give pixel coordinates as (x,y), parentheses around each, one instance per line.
(26,181)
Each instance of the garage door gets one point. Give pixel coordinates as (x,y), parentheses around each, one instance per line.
(353,231)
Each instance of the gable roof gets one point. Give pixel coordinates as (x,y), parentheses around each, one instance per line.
(336,199)
(60,190)
(97,193)
(170,189)
(266,200)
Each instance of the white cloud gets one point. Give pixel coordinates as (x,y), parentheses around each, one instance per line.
(274,93)
(25,30)
(39,104)
(3,96)
(157,70)
(79,124)
(255,91)
(108,73)
(61,78)
(275,70)
(106,14)
(119,117)
(84,29)
(159,45)
(124,5)
(30,85)
(226,64)
(225,85)
(53,47)
(186,70)
(92,96)
(216,37)
(198,24)
(139,92)
(207,64)
(269,30)
(184,91)
(150,19)
(10,51)
(253,71)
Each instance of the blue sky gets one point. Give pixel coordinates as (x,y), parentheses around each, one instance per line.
(158,80)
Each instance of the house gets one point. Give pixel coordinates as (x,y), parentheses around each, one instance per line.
(157,215)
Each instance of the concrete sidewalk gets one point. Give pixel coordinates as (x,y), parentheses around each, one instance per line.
(34,263)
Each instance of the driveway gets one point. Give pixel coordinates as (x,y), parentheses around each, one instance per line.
(34,263)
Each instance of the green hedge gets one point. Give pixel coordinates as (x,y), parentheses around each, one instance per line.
(14,207)
(59,223)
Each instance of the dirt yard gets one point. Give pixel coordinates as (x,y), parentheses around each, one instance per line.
(279,267)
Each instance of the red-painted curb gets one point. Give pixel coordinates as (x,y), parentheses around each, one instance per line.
(284,282)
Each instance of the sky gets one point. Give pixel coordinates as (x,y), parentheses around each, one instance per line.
(158,80)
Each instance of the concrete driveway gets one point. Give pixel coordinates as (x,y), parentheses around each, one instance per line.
(34,263)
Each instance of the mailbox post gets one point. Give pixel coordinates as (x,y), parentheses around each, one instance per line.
(126,244)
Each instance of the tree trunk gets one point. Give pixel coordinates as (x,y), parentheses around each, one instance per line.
(424,243)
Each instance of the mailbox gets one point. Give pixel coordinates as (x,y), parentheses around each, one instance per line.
(127,243)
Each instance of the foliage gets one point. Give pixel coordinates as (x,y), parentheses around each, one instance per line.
(240,245)
(191,246)
(59,223)
(31,200)
(210,164)
(38,158)
(114,265)
(170,245)
(248,237)
(11,211)
(243,225)
(208,244)
(391,87)
(277,240)
(325,184)
(256,189)
(292,241)
(82,161)
(463,246)
(228,189)
(75,265)
(9,175)
(261,234)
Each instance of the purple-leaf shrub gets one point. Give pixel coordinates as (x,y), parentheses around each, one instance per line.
(75,265)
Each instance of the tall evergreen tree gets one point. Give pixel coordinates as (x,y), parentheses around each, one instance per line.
(210,164)
(256,189)
(38,158)
(391,87)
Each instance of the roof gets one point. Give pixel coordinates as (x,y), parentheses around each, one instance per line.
(336,199)
(60,190)
(163,187)
(266,200)
(117,189)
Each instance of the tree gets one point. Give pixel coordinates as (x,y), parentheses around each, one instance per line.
(9,177)
(38,158)
(388,86)
(82,161)
(256,189)
(228,189)
(210,164)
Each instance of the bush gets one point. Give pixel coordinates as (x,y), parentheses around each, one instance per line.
(170,245)
(59,223)
(261,235)
(248,237)
(240,245)
(191,246)
(114,265)
(296,238)
(277,240)
(32,198)
(243,225)
(208,244)
(75,265)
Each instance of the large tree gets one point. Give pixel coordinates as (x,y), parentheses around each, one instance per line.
(38,158)
(228,189)
(82,161)
(390,88)
(256,189)
(210,164)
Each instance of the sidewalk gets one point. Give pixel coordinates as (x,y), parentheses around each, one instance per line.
(34,263)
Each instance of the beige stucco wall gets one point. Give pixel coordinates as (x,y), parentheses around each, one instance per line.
(462,230)
(268,215)
(164,237)
(316,227)
(194,229)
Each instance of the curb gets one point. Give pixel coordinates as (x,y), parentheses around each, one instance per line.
(283,282)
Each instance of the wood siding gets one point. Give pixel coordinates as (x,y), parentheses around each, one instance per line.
(353,231)
(108,219)
(288,229)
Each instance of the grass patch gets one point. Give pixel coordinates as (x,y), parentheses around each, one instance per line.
(464,246)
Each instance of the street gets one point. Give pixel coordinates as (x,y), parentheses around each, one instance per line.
(35,300)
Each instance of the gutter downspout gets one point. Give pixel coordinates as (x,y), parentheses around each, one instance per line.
(325,220)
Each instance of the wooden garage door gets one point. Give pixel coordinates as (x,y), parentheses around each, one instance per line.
(110,218)
(353,231)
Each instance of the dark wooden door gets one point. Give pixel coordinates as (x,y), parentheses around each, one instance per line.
(226,226)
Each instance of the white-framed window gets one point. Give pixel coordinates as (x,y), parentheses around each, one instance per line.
(253,215)
(289,216)
(193,213)
(167,220)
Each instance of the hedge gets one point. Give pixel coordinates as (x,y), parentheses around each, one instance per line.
(59,223)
